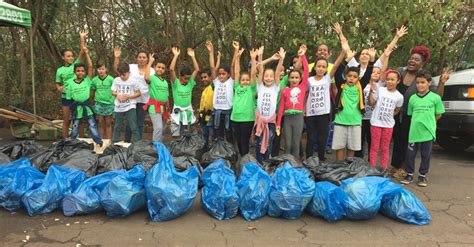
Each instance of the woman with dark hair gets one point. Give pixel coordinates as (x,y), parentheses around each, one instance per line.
(137,71)
(419,56)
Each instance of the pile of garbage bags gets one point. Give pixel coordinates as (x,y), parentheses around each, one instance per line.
(69,176)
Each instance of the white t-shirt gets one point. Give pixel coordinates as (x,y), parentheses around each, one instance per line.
(267,99)
(387,101)
(140,79)
(319,98)
(223,94)
(127,87)
(353,63)
(368,108)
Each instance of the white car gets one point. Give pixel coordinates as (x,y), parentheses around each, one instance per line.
(456,127)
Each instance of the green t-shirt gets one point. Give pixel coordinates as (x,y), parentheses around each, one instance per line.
(64,74)
(80,92)
(103,89)
(423,111)
(283,84)
(244,103)
(183,94)
(158,91)
(350,113)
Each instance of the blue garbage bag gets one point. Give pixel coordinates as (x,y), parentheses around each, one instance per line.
(254,191)
(365,195)
(16,178)
(329,202)
(405,207)
(169,193)
(125,193)
(86,198)
(291,191)
(219,195)
(59,182)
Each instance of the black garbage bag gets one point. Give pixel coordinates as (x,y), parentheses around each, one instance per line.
(239,166)
(4,159)
(142,152)
(20,149)
(191,144)
(351,167)
(272,164)
(84,160)
(113,158)
(219,149)
(58,151)
(182,163)
(311,163)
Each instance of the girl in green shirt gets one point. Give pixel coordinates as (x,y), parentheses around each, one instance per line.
(64,74)
(243,110)
(104,100)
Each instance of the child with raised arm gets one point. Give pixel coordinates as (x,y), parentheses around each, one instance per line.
(157,105)
(182,116)
(267,91)
(318,104)
(126,91)
(292,104)
(79,91)
(243,109)
(223,84)
(64,75)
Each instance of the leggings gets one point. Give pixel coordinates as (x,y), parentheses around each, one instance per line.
(380,138)
(293,129)
(364,137)
(400,141)
(317,128)
(242,133)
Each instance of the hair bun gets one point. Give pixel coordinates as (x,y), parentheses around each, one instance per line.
(423,51)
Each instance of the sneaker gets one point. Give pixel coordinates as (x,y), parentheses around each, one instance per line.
(408,179)
(422,181)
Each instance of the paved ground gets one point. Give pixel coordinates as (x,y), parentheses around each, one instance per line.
(449,199)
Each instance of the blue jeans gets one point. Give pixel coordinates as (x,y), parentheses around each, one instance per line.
(205,130)
(92,128)
(261,157)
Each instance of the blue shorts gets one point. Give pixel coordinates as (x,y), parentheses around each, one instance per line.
(66,102)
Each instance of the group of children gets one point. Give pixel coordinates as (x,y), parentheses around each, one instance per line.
(361,98)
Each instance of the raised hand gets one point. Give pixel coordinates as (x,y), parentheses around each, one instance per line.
(337,28)
(175,51)
(152,58)
(86,50)
(402,31)
(83,34)
(219,54)
(276,56)
(253,54)
(302,50)
(372,52)
(117,51)
(445,75)
(282,53)
(209,46)
(260,50)
(190,52)
(235,44)
(345,46)
(241,50)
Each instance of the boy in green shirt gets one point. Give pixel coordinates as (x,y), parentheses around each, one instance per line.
(157,105)
(182,116)
(79,93)
(425,108)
